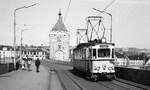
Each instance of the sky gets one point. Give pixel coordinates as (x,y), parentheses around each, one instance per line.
(131,20)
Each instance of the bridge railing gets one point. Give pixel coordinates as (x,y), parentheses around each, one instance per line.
(60,62)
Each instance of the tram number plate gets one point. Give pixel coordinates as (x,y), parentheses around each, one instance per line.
(104,46)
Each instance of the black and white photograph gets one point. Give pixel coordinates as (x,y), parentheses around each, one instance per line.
(74,45)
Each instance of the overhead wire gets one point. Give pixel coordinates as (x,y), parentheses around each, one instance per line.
(67,10)
(109,5)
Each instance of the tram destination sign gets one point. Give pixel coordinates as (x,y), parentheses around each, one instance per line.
(103,46)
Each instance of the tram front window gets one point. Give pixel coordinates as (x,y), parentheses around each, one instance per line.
(103,52)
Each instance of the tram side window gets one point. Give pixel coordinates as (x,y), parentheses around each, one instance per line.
(94,53)
(89,54)
(113,51)
(75,55)
(80,53)
(103,52)
(83,53)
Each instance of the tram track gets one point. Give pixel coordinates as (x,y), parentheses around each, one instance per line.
(120,85)
(137,86)
(64,79)
(112,86)
(73,80)
(109,85)
(85,83)
(62,74)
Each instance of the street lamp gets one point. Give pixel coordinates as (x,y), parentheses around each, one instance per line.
(21,39)
(110,24)
(15,30)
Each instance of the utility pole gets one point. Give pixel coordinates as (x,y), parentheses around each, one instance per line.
(14,45)
(21,43)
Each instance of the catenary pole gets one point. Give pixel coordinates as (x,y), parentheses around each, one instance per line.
(14,43)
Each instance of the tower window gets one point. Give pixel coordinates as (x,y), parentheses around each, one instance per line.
(59,46)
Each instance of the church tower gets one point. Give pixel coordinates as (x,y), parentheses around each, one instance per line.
(59,41)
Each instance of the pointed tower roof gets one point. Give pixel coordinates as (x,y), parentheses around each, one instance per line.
(59,26)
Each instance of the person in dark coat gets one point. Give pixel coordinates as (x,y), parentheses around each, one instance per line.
(37,64)
(17,65)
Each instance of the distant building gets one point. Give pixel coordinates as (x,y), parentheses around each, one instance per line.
(7,53)
(59,41)
(34,53)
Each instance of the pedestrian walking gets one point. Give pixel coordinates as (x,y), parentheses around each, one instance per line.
(23,65)
(29,64)
(37,64)
(17,64)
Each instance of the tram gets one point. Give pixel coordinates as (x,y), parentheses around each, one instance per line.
(95,59)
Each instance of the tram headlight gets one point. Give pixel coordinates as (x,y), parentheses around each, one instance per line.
(110,68)
(97,68)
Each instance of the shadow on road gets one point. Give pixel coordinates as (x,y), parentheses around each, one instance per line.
(86,77)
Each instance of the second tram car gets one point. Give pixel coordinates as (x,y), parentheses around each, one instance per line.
(95,59)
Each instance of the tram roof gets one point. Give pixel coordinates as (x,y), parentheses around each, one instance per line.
(92,43)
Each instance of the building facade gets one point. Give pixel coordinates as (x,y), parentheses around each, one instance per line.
(7,53)
(59,41)
(33,53)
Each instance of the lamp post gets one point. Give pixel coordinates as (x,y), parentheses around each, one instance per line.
(21,39)
(14,45)
(110,23)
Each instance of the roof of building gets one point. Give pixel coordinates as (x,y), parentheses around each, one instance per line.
(8,48)
(59,26)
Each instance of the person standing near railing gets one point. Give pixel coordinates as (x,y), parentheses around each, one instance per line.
(23,64)
(29,64)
